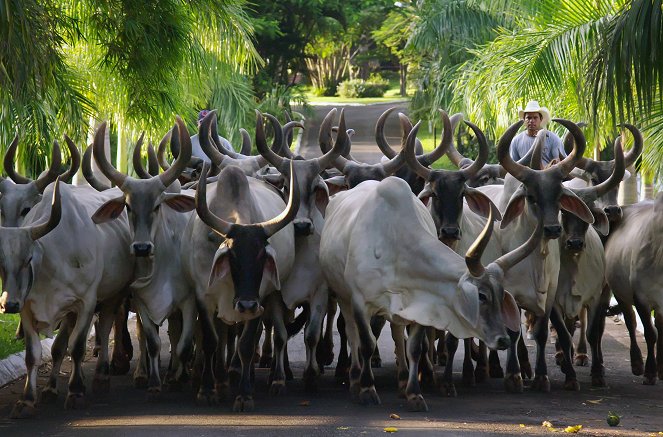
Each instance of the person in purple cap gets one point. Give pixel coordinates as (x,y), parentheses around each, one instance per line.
(196,150)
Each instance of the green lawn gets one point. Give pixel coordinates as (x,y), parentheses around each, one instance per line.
(9,345)
(429,144)
(391,95)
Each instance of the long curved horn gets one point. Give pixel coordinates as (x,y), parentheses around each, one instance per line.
(39,230)
(10,154)
(246,142)
(152,160)
(636,150)
(478,163)
(519,171)
(88,174)
(325,132)
(579,145)
(473,255)
(410,159)
(512,258)
(537,150)
(137,161)
(53,170)
(274,225)
(288,129)
(340,145)
(204,138)
(106,167)
(161,151)
(428,159)
(392,166)
(261,142)
(454,156)
(615,177)
(380,139)
(214,136)
(208,217)
(171,175)
(75,157)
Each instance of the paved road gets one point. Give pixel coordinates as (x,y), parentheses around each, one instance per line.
(485,410)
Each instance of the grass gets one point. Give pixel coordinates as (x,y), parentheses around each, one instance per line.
(429,141)
(391,95)
(8,344)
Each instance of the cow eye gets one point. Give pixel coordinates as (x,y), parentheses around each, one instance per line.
(482,297)
(25,211)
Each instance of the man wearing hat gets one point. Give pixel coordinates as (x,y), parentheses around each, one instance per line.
(536,117)
(196,150)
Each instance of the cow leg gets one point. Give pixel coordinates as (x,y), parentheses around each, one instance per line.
(174,334)
(153,343)
(658,318)
(523,358)
(595,328)
(49,394)
(581,358)
(122,348)
(76,393)
(431,336)
(25,407)
(206,391)
(377,323)
(101,381)
(494,365)
(343,363)
(246,349)
(447,386)
(541,381)
(468,367)
(398,335)
(275,308)
(565,341)
(312,334)
(481,370)
(426,370)
(513,380)
(367,346)
(183,350)
(637,364)
(267,352)
(325,351)
(441,347)
(142,366)
(415,400)
(650,337)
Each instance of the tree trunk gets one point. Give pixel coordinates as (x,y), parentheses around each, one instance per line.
(647,186)
(628,189)
(121,159)
(403,74)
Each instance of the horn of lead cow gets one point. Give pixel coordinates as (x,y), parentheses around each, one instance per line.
(246,142)
(512,258)
(204,138)
(88,174)
(261,142)
(518,171)
(171,175)
(40,229)
(106,167)
(340,145)
(482,157)
(161,151)
(636,150)
(274,225)
(208,217)
(536,150)
(344,162)
(579,144)
(380,139)
(428,159)
(474,253)
(410,159)
(325,132)
(137,161)
(214,136)
(454,155)
(10,154)
(75,157)
(615,177)
(152,160)
(288,129)
(53,170)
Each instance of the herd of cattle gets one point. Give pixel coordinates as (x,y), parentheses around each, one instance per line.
(276,231)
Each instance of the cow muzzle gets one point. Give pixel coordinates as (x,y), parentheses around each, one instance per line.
(450,233)
(613,212)
(7,306)
(142,248)
(503,343)
(552,232)
(575,244)
(248,307)
(303,227)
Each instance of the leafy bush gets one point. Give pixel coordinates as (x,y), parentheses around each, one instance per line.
(327,91)
(363,88)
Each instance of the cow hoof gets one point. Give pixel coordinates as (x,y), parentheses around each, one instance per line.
(75,401)
(48,395)
(416,403)
(23,410)
(326,357)
(541,383)
(526,370)
(153,394)
(368,396)
(559,358)
(288,374)
(140,382)
(637,367)
(101,385)
(468,377)
(265,362)
(649,380)
(277,388)
(376,362)
(120,366)
(582,360)
(480,374)
(571,385)
(513,383)
(496,372)
(243,404)
(310,381)
(206,397)
(598,381)
(448,389)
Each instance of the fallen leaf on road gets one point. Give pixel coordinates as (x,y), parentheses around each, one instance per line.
(394,416)
(390,429)
(343,428)
(522,425)
(304,403)
(546,424)
(597,401)
(573,429)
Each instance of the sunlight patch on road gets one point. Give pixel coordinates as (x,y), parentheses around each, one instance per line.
(201,420)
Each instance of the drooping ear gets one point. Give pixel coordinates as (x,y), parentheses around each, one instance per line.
(336,184)
(573,204)
(321,196)
(274,179)
(270,272)
(601,223)
(426,194)
(510,312)
(180,202)
(467,303)
(220,265)
(480,203)
(515,207)
(110,210)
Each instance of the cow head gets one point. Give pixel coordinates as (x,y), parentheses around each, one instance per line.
(143,198)
(245,254)
(542,190)
(20,256)
(445,190)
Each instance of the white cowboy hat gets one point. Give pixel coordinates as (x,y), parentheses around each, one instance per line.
(533,106)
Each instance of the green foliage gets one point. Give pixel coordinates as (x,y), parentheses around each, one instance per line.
(8,343)
(362,88)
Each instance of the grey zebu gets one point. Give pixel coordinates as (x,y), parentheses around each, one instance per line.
(158,214)
(370,262)
(52,278)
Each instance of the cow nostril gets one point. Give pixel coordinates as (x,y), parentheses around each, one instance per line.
(503,343)
(450,232)
(142,249)
(303,228)
(552,231)
(246,305)
(575,244)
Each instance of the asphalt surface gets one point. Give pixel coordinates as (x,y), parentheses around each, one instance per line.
(483,410)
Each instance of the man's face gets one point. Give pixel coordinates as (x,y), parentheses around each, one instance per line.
(533,121)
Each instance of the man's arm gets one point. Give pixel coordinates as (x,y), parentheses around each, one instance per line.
(557,145)
(513,148)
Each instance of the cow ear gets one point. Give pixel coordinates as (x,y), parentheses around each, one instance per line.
(336,184)
(321,196)
(180,202)
(270,272)
(573,204)
(601,223)
(426,194)
(467,303)
(515,207)
(220,265)
(510,312)
(110,210)
(274,179)
(480,203)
